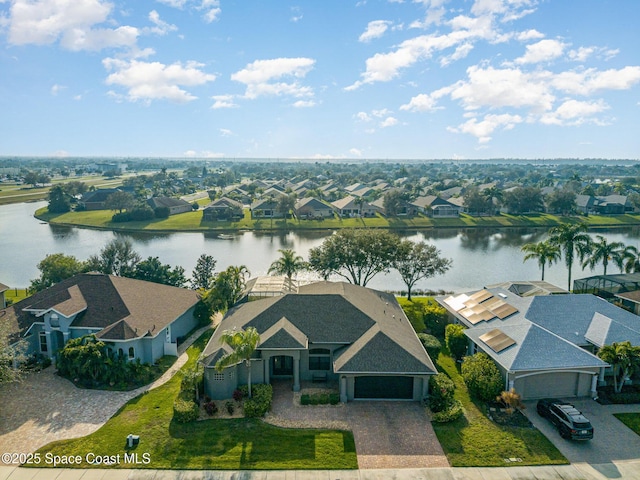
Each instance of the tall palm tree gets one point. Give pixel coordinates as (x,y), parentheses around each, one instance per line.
(623,358)
(572,239)
(243,343)
(288,264)
(630,259)
(603,251)
(545,253)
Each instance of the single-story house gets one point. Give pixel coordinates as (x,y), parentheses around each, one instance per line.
(436,207)
(175,205)
(604,205)
(222,209)
(135,318)
(310,207)
(350,206)
(405,208)
(338,332)
(265,208)
(95,199)
(545,346)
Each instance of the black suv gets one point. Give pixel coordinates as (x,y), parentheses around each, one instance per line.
(567,419)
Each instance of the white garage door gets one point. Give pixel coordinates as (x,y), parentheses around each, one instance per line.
(565,384)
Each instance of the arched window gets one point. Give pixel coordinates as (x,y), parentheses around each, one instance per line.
(120,353)
(132,353)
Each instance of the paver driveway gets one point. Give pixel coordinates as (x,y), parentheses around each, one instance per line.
(387,434)
(612,440)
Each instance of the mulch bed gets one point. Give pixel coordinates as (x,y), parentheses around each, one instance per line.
(500,416)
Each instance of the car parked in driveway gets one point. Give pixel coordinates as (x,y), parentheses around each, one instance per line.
(567,419)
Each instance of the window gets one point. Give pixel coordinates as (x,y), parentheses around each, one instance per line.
(120,353)
(319,359)
(43,342)
(132,353)
(218,377)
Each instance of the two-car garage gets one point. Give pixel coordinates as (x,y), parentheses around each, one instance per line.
(383,388)
(554,384)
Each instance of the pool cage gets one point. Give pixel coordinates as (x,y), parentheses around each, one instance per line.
(607,286)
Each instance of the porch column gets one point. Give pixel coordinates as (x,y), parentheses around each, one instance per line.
(65,337)
(594,384)
(425,387)
(343,389)
(267,368)
(296,371)
(49,344)
(601,380)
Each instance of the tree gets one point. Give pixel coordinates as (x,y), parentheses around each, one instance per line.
(623,358)
(417,261)
(285,204)
(75,187)
(571,238)
(116,258)
(544,252)
(228,288)
(455,340)
(482,377)
(356,255)
(31,178)
(562,201)
(119,201)
(54,268)
(476,203)
(392,203)
(524,200)
(58,200)
(203,274)
(243,343)
(601,251)
(152,270)
(11,356)
(630,259)
(288,264)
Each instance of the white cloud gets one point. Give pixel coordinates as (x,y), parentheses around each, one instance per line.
(375,29)
(72,22)
(225,132)
(174,3)
(55,89)
(574,112)
(381,112)
(532,34)
(259,76)
(420,103)
(363,117)
(210,8)
(581,54)
(543,51)
(461,52)
(483,129)
(356,152)
(223,101)
(304,104)
(202,154)
(148,81)
(161,27)
(588,81)
(388,122)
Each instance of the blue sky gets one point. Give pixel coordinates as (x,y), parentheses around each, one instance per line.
(331,79)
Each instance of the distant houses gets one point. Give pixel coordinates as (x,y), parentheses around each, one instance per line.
(95,199)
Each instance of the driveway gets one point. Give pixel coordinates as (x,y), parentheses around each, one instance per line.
(386,434)
(612,440)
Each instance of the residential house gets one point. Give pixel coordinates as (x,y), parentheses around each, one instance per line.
(350,206)
(406,208)
(310,207)
(265,208)
(3,300)
(604,205)
(436,207)
(335,332)
(175,205)
(137,319)
(545,345)
(95,199)
(223,209)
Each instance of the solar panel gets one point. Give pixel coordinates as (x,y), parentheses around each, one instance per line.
(457,303)
(493,303)
(481,296)
(497,340)
(504,311)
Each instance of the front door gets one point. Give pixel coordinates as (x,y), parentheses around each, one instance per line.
(282,365)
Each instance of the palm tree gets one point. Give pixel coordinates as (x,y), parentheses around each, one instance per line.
(571,238)
(623,358)
(603,251)
(545,253)
(243,343)
(630,259)
(288,264)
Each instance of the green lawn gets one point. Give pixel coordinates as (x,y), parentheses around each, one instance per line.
(631,420)
(475,441)
(238,444)
(15,294)
(192,221)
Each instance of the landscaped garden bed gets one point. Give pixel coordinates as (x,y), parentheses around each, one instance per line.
(629,394)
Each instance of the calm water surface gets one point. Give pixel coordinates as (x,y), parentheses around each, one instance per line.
(480,256)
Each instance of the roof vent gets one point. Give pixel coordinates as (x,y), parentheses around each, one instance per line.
(502,295)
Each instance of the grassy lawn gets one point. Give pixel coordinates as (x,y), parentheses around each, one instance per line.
(631,420)
(192,221)
(239,444)
(475,441)
(15,294)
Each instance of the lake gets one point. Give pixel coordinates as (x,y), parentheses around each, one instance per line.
(480,256)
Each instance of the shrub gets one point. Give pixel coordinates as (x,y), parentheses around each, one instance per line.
(452,413)
(441,390)
(210,407)
(415,314)
(260,403)
(142,212)
(482,377)
(624,397)
(456,340)
(185,411)
(431,344)
(161,212)
(511,400)
(238,395)
(121,217)
(435,317)
(230,407)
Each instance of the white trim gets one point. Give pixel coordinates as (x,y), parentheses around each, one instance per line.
(546,372)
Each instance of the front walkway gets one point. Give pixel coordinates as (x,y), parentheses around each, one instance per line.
(45,407)
(387,434)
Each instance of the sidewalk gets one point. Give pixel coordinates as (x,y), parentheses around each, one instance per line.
(579,471)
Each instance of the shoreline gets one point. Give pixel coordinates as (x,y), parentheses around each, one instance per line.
(499,222)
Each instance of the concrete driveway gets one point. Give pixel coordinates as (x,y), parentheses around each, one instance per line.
(612,440)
